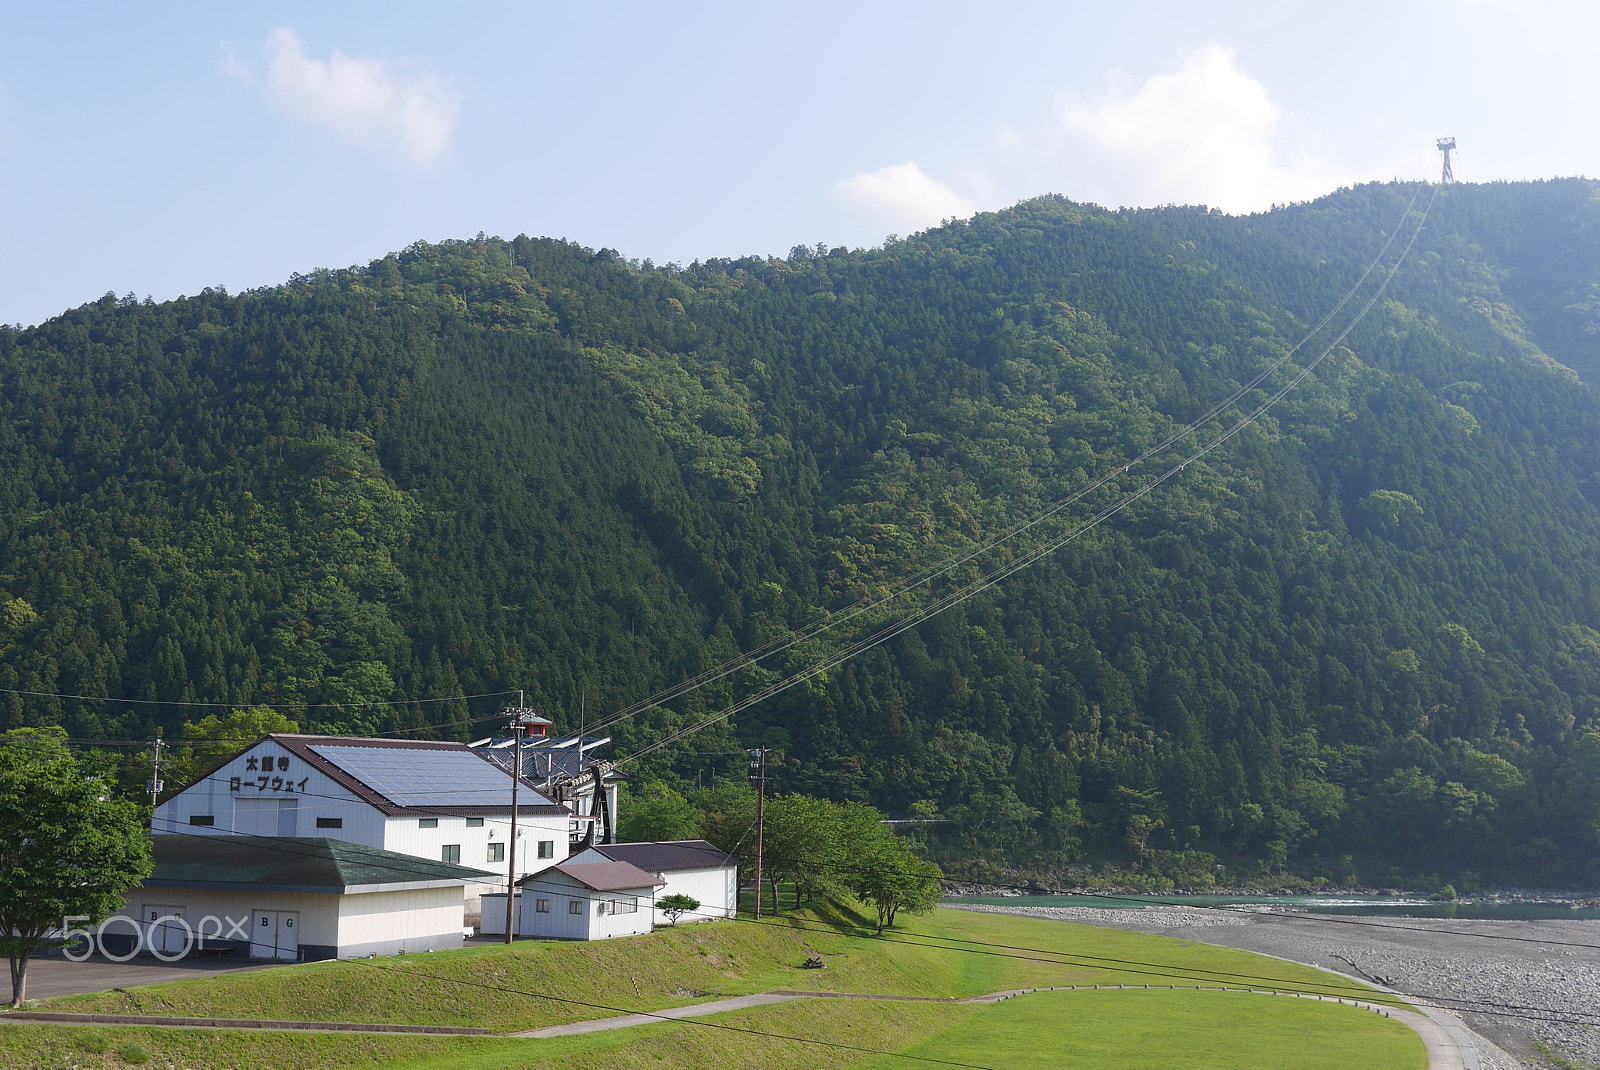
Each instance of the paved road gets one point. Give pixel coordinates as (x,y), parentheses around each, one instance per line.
(52,976)
(624,1021)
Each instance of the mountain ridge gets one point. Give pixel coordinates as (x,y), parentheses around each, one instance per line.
(1367,628)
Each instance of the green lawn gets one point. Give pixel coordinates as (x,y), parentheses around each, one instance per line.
(1172,1031)
(483,986)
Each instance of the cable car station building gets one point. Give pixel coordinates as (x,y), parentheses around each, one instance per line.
(442,802)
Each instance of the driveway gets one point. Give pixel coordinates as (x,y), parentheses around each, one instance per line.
(55,976)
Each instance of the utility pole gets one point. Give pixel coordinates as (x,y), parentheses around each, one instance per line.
(521,717)
(155,784)
(760,763)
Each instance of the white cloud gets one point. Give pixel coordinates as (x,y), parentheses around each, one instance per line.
(901,198)
(1207,133)
(413,114)
(1007,136)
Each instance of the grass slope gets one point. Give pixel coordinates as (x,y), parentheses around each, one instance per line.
(1172,1030)
(673,967)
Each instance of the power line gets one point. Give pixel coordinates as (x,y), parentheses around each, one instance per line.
(919,579)
(252,705)
(837,618)
(182,742)
(1002,572)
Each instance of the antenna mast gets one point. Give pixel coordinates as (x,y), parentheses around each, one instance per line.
(1445,144)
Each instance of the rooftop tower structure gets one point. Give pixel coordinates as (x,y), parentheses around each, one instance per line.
(1445,144)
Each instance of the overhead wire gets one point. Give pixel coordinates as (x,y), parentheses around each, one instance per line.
(254,704)
(970,590)
(865,605)
(869,603)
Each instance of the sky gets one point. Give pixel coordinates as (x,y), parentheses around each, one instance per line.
(160,148)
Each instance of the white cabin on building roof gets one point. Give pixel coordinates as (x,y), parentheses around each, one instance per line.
(439,801)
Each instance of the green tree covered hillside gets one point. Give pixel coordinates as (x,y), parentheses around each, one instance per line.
(1364,631)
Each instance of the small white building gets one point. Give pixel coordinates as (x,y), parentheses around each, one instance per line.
(439,801)
(685,867)
(590,902)
(292,899)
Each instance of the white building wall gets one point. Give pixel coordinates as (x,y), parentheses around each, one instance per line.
(289,799)
(717,890)
(593,921)
(232,912)
(405,835)
(384,923)
(558,923)
(603,925)
(238,797)
(492,910)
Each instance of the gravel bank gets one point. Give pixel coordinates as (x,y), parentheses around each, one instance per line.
(1532,965)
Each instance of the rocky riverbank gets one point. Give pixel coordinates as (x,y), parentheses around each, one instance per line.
(1522,985)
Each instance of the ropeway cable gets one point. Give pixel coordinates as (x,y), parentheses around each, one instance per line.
(933,572)
(962,594)
(838,617)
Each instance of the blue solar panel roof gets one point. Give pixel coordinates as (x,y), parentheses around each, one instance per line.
(425,777)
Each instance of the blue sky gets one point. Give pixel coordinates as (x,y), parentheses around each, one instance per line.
(163,148)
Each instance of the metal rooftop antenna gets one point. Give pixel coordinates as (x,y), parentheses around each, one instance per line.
(1445,144)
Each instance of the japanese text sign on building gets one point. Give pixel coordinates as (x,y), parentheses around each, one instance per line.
(264,765)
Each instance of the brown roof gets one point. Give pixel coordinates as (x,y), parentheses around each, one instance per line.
(602,876)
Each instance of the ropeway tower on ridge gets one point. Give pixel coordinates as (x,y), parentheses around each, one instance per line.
(1445,144)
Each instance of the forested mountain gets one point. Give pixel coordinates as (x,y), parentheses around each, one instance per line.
(1363,632)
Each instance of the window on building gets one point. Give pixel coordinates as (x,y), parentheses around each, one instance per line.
(574,906)
(330,822)
(547,848)
(450,852)
(474,822)
(427,822)
(541,906)
(600,907)
(497,852)
(203,819)
(627,905)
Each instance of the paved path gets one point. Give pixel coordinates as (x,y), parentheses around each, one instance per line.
(1439,1033)
(697,1010)
(1444,1052)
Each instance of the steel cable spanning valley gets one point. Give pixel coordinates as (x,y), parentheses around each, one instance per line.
(967,591)
(928,575)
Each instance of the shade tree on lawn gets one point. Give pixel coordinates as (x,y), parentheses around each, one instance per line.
(69,848)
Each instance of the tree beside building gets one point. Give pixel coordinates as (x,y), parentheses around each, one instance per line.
(69,848)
